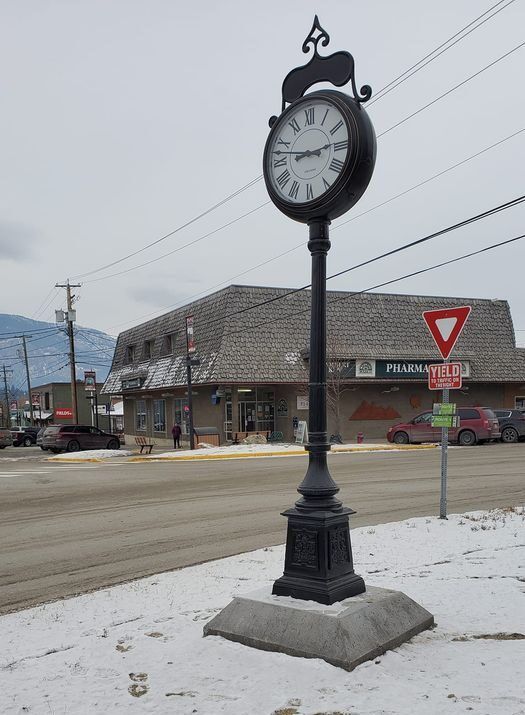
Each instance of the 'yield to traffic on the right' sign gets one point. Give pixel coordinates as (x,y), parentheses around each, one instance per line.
(444,376)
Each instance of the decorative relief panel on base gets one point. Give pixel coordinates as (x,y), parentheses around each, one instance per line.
(305,548)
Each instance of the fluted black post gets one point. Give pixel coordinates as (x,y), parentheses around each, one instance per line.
(318,562)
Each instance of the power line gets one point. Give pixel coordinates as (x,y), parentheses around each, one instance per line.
(176,230)
(171,233)
(180,248)
(387,254)
(404,76)
(394,126)
(378,285)
(339,225)
(457,86)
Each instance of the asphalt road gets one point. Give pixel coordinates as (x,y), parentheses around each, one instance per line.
(67,529)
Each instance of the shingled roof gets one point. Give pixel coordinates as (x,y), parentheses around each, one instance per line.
(268,344)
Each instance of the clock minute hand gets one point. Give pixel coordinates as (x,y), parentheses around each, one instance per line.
(312,152)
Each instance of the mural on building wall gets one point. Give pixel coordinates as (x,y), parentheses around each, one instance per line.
(371,411)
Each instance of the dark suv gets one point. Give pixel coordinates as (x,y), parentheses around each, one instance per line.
(511,424)
(477,424)
(73,438)
(24,436)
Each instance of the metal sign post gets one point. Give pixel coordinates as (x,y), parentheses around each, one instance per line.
(444,460)
(445,326)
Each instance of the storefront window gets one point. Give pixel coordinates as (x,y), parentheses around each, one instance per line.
(140,415)
(256,409)
(181,415)
(159,415)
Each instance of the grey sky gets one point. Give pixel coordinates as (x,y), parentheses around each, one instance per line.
(123,119)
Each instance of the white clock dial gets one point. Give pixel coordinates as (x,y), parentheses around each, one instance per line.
(308,151)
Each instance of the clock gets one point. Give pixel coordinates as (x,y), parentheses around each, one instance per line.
(319,156)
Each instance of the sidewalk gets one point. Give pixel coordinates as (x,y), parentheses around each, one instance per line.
(242,451)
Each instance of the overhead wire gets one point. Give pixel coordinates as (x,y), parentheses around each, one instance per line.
(374,287)
(404,76)
(172,233)
(387,88)
(386,131)
(466,222)
(339,225)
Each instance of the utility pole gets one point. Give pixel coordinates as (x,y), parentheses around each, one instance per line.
(7,406)
(72,365)
(23,339)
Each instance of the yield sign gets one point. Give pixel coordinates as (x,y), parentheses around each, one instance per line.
(445,326)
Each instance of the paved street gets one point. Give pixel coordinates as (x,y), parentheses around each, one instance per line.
(65,529)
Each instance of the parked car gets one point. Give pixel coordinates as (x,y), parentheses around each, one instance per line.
(25,436)
(73,438)
(6,439)
(39,438)
(511,424)
(477,425)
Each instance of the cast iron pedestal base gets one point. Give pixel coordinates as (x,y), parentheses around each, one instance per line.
(318,563)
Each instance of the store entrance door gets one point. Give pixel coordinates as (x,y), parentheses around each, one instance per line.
(247,416)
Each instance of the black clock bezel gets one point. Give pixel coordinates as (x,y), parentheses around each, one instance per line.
(351,183)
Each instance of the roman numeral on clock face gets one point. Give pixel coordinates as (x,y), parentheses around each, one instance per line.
(294,190)
(295,126)
(279,162)
(336,165)
(309,192)
(336,128)
(309,116)
(283,178)
(283,143)
(326,184)
(340,146)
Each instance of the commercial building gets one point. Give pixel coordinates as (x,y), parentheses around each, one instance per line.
(253,370)
(52,405)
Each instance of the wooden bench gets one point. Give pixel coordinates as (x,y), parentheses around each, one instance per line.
(238,436)
(145,443)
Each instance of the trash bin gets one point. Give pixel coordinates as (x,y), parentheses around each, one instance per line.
(210,435)
(360,438)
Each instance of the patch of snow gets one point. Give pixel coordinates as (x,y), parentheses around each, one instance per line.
(139,648)
(88,454)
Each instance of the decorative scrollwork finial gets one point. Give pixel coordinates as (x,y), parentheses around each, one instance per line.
(314,39)
(337,68)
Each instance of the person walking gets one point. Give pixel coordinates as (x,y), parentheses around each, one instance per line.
(176,432)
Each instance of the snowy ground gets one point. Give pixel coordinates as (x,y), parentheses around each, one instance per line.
(89,455)
(273,450)
(138,648)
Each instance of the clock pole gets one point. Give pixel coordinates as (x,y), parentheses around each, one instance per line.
(318,562)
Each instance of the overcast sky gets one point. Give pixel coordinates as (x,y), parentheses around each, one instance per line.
(123,119)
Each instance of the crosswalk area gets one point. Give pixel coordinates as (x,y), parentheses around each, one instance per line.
(54,469)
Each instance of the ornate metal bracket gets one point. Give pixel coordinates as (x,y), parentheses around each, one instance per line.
(338,69)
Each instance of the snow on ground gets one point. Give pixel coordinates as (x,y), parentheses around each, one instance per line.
(268,449)
(138,648)
(89,454)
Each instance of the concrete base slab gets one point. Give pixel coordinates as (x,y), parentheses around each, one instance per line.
(344,634)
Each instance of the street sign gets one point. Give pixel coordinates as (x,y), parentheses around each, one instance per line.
(445,326)
(444,376)
(90,380)
(190,338)
(64,412)
(438,408)
(445,421)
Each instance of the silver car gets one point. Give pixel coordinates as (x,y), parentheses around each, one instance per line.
(6,439)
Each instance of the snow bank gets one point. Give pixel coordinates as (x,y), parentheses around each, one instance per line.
(89,454)
(138,648)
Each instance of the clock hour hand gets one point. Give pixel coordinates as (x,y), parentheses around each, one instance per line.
(311,152)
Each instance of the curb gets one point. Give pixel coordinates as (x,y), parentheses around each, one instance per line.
(76,461)
(291,453)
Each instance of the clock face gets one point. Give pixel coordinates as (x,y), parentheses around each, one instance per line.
(308,151)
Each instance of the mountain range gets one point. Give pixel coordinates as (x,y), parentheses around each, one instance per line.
(48,352)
